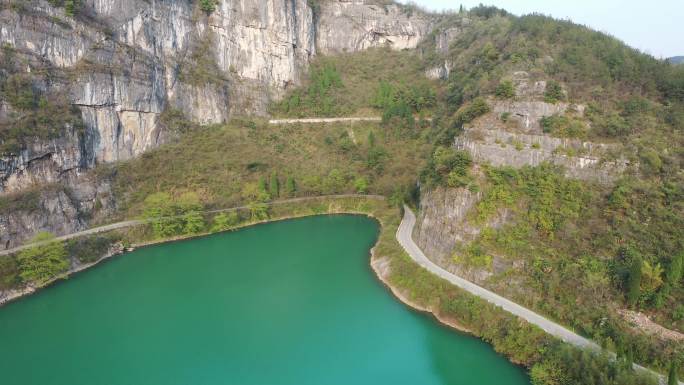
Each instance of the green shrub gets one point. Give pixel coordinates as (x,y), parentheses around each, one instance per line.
(42,262)
(553,92)
(505,90)
(207,6)
(90,249)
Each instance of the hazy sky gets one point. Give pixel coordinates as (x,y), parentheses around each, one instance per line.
(652,26)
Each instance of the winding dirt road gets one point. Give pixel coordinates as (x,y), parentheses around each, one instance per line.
(406,240)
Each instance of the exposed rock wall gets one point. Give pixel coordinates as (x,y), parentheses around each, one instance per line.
(127,60)
(124,62)
(502,148)
(444,222)
(58,210)
(353,25)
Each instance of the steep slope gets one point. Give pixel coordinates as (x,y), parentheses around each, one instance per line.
(124,65)
(124,71)
(558,174)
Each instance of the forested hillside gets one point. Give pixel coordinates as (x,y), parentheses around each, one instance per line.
(547,157)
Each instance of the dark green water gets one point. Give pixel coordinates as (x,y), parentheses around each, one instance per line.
(284,303)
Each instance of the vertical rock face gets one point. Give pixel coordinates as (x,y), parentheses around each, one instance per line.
(442,221)
(501,148)
(124,62)
(129,60)
(349,26)
(58,210)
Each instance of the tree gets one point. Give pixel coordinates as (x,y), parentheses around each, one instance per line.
(651,277)
(160,211)
(290,186)
(208,6)
(71,7)
(361,185)
(675,271)
(371,139)
(224,221)
(258,210)
(42,262)
(194,222)
(262,187)
(334,182)
(384,96)
(553,92)
(672,376)
(634,282)
(188,201)
(505,90)
(274,185)
(546,373)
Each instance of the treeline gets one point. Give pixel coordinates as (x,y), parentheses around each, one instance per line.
(46,258)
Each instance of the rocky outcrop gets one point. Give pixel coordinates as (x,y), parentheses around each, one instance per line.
(124,63)
(579,159)
(57,210)
(442,221)
(445,221)
(350,26)
(43,162)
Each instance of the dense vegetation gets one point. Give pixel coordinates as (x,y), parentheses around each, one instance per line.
(363,83)
(583,250)
(40,263)
(250,162)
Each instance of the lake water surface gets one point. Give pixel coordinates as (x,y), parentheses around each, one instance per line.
(291,302)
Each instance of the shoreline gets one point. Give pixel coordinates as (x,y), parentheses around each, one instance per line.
(17,294)
(381,268)
(380,265)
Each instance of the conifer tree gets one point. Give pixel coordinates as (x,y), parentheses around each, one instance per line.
(672,376)
(634,285)
(274,185)
(290,186)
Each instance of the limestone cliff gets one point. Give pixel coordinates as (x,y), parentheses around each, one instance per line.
(123,63)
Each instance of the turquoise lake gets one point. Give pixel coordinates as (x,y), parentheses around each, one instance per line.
(292,302)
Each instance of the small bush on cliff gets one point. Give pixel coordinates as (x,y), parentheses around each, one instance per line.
(554,92)
(38,264)
(505,90)
(207,6)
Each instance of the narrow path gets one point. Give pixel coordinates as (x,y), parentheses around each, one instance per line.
(325,120)
(136,222)
(405,239)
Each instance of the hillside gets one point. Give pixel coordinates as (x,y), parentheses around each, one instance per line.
(544,158)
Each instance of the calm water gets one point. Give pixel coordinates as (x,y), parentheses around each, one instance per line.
(284,303)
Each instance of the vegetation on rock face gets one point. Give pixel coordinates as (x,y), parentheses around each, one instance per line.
(71,7)
(355,83)
(34,114)
(207,6)
(40,263)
